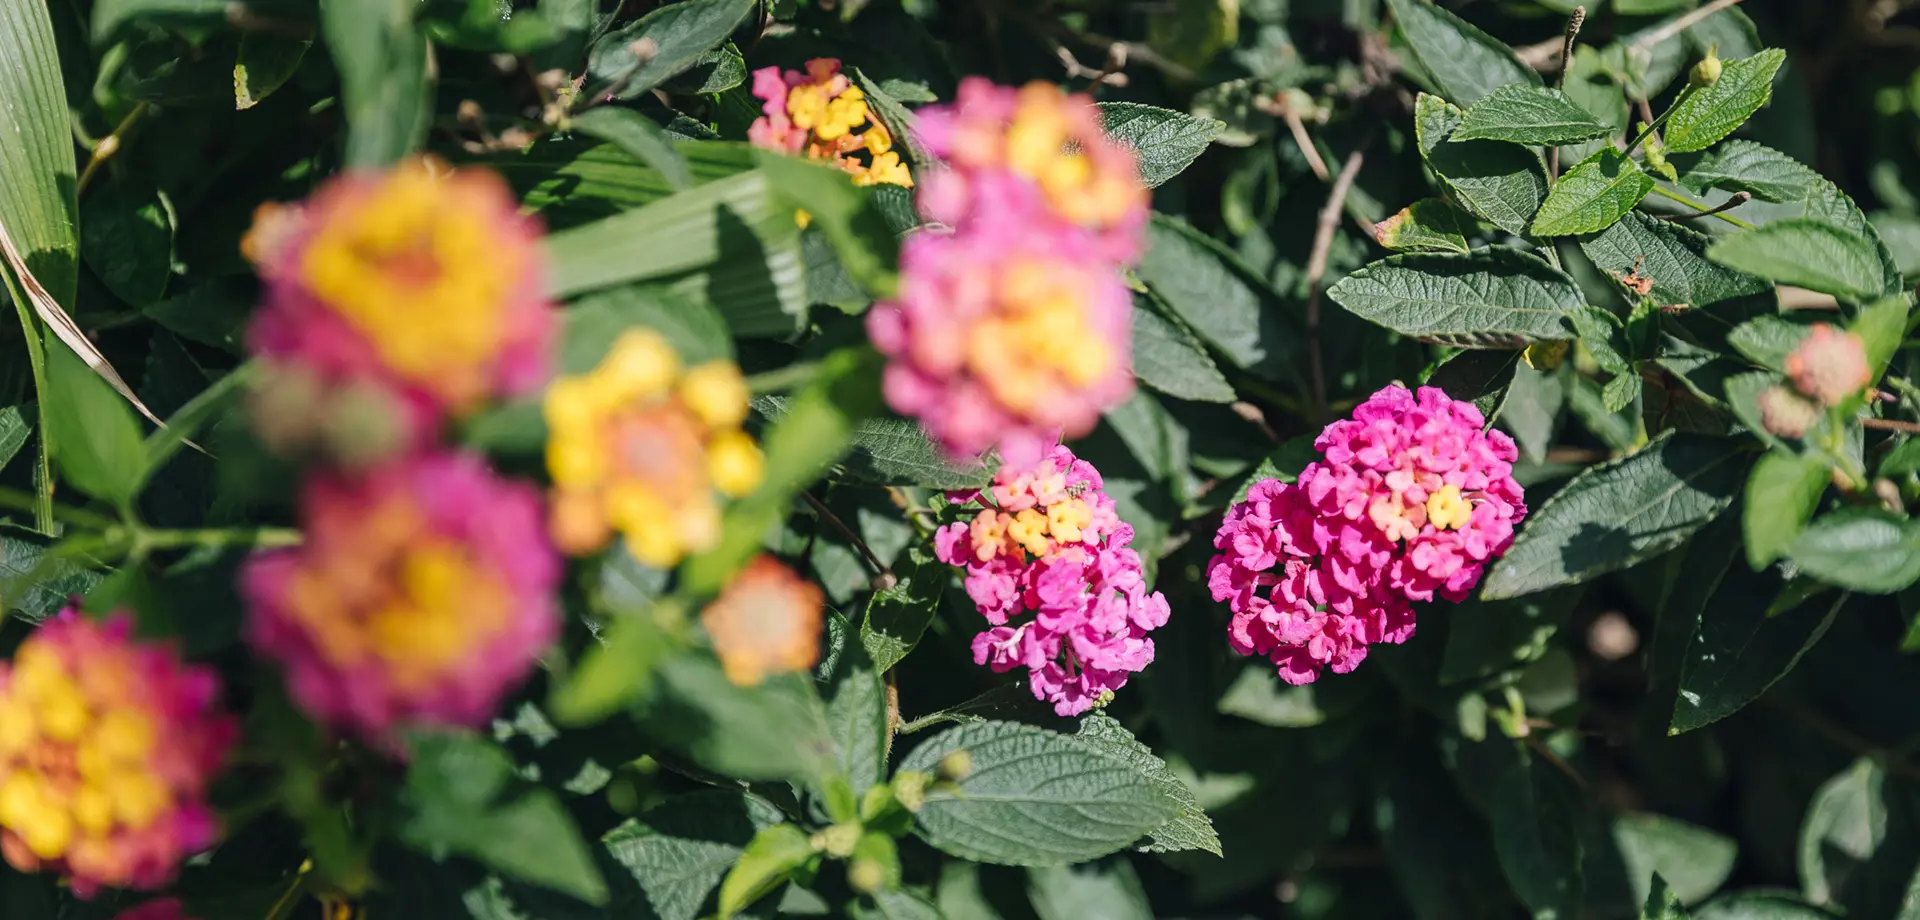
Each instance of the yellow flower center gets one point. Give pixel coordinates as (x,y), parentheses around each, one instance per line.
(1040,341)
(1447,509)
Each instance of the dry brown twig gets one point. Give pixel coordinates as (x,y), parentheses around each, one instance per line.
(1317,270)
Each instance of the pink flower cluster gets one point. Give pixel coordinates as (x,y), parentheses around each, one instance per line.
(1048,565)
(423,593)
(1012,325)
(1413,499)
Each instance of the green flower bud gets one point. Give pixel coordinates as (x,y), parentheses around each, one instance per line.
(838,841)
(955,766)
(910,788)
(865,875)
(1705,73)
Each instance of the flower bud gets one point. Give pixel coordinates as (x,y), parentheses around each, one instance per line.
(865,875)
(910,788)
(1705,73)
(955,766)
(838,841)
(1786,413)
(1830,365)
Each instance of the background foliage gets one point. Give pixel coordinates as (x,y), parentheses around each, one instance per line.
(1666,695)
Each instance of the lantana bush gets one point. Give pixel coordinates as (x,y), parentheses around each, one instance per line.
(957,460)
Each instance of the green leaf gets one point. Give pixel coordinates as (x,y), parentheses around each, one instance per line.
(1493,637)
(1767,340)
(678,33)
(738,222)
(1167,358)
(462,796)
(1500,182)
(1738,651)
(897,616)
(1860,549)
(97,441)
(1477,376)
(202,411)
(1807,253)
(1881,325)
(384,91)
(897,904)
(1534,836)
(679,850)
(126,238)
(1684,861)
(641,137)
(619,669)
(573,181)
(1108,890)
(1672,257)
(1760,905)
(777,730)
(769,859)
(1191,829)
(1496,298)
(1035,798)
(1522,113)
(37,205)
(34,584)
(714,72)
(857,719)
(1427,225)
(593,322)
(1782,493)
(1662,903)
(14,429)
(264,63)
(1218,297)
(1165,141)
(1708,114)
(1594,194)
(1464,62)
(1617,514)
(1857,846)
(846,214)
(892,451)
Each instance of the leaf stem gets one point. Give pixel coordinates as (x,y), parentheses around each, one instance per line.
(1655,124)
(1317,270)
(883,577)
(37,359)
(14,498)
(108,146)
(1701,206)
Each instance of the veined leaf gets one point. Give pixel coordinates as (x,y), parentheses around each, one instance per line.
(1860,549)
(1500,182)
(1672,257)
(678,851)
(1526,114)
(639,136)
(1222,300)
(1738,650)
(1811,254)
(1711,113)
(1466,62)
(1165,141)
(1167,358)
(382,59)
(1782,493)
(1191,829)
(1592,195)
(1495,298)
(1428,225)
(675,36)
(1616,514)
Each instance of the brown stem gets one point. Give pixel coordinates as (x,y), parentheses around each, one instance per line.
(1887,424)
(882,576)
(1317,270)
(1738,199)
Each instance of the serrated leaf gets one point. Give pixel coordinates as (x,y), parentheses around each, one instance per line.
(1191,829)
(1857,845)
(1620,392)
(1500,182)
(1428,225)
(716,71)
(1767,340)
(1522,113)
(1672,257)
(263,64)
(679,850)
(1782,492)
(1807,253)
(1218,297)
(1620,513)
(14,428)
(1737,650)
(1662,903)
(897,617)
(1165,141)
(34,585)
(892,451)
(1860,549)
(462,796)
(679,34)
(1881,325)
(773,855)
(381,56)
(1495,298)
(641,137)
(1108,890)
(1465,62)
(1686,861)
(1708,114)
(1167,358)
(1035,798)
(1594,194)
(98,446)
(857,718)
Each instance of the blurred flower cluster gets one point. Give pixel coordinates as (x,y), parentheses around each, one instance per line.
(820,114)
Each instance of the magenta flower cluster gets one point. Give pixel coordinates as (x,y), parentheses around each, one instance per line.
(1412,500)
(1049,566)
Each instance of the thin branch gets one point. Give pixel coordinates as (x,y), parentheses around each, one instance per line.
(1304,141)
(1887,424)
(1675,27)
(1317,269)
(108,146)
(1574,22)
(1702,207)
(882,576)
(1738,199)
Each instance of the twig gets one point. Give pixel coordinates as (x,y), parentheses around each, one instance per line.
(1317,269)
(1305,142)
(882,576)
(1566,63)
(1887,424)
(1546,753)
(108,146)
(1702,207)
(1738,199)
(1675,27)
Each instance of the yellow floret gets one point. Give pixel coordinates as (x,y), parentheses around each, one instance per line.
(1447,510)
(734,463)
(640,366)
(716,394)
(1029,529)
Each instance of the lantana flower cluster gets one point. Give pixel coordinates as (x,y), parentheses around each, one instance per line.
(1827,368)
(1048,565)
(424,589)
(820,114)
(1412,499)
(1012,325)
(641,446)
(107,747)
